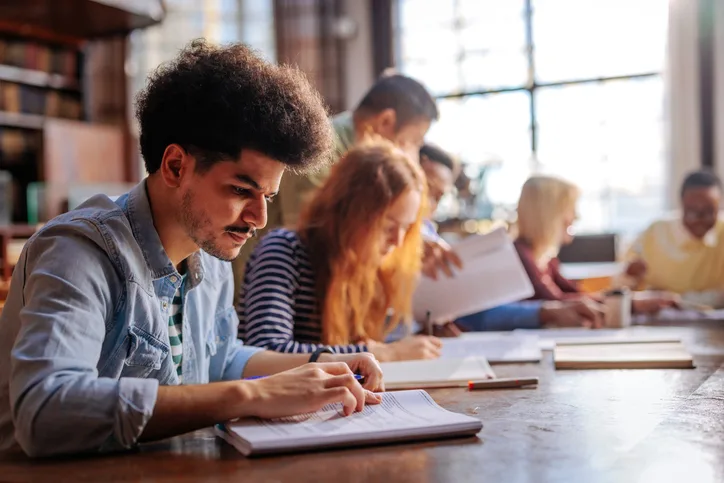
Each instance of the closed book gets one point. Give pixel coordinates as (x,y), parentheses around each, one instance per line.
(623,355)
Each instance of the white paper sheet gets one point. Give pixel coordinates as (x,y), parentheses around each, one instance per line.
(547,338)
(492,275)
(435,373)
(496,348)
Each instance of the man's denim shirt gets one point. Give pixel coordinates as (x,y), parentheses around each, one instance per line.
(84,333)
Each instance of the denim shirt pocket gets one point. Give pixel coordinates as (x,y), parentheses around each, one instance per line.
(145,353)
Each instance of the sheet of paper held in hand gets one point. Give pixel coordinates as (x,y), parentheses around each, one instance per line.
(492,275)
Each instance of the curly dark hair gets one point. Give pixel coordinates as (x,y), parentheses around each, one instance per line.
(217,100)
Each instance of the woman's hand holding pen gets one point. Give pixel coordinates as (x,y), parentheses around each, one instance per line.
(409,348)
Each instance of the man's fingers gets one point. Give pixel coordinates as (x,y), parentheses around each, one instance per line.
(445,267)
(372,373)
(341,394)
(453,329)
(429,269)
(372,398)
(454,258)
(334,368)
(349,383)
(585,311)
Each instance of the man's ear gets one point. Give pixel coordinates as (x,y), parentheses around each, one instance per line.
(175,164)
(385,123)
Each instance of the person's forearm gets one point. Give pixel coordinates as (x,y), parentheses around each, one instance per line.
(265,363)
(180,409)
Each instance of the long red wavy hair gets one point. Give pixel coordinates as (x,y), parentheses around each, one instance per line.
(342,228)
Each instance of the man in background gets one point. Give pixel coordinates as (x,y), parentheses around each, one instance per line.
(685,254)
(396,107)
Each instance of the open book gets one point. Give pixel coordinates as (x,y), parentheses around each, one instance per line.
(492,275)
(622,355)
(436,373)
(402,416)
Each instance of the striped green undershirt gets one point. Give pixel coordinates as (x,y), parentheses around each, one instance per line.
(175,327)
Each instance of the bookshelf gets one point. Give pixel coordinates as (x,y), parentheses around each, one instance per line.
(54,101)
(38,78)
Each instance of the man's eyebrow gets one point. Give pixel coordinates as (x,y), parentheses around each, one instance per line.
(249,180)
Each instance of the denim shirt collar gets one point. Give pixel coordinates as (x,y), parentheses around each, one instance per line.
(140,217)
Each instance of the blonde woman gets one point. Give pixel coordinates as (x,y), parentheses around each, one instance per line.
(546,213)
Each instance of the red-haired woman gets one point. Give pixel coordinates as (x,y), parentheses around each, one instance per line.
(344,279)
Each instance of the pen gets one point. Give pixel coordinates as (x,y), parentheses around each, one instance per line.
(359,377)
(428,324)
(502,383)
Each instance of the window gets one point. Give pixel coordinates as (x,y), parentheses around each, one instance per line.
(565,87)
(221,21)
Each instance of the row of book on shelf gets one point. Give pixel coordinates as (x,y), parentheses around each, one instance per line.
(17,98)
(36,56)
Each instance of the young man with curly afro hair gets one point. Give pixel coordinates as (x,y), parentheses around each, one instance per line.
(119,326)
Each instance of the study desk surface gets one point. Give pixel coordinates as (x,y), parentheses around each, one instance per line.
(609,425)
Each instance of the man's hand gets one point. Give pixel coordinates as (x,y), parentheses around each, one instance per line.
(654,305)
(575,313)
(412,347)
(306,389)
(438,256)
(449,329)
(363,364)
(637,269)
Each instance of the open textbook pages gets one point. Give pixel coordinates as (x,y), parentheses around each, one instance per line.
(402,416)
(496,347)
(492,275)
(437,373)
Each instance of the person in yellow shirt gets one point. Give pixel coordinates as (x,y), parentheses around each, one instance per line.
(685,255)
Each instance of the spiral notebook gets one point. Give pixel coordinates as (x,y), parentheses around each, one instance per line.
(401,417)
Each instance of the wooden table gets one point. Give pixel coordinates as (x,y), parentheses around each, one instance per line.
(578,426)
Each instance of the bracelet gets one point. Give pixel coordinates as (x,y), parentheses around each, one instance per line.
(322,350)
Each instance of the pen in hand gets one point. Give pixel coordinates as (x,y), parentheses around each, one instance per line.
(358,377)
(428,324)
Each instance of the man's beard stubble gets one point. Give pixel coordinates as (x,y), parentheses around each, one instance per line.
(196,226)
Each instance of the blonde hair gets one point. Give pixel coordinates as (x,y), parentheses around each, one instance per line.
(543,203)
(342,227)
